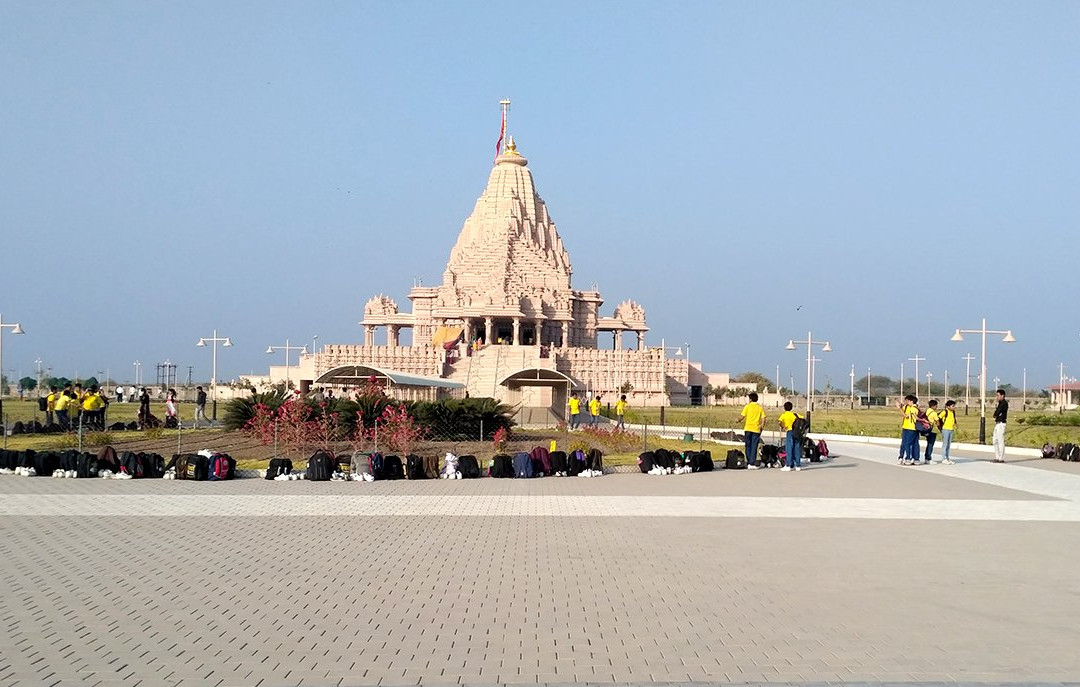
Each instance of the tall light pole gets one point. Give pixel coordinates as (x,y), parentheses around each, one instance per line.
(314,348)
(929,376)
(967,382)
(868,387)
(901,380)
(1061,388)
(946,385)
(137,365)
(917,360)
(214,340)
(38,362)
(852,375)
(809,343)
(1007,337)
(15,328)
(287,348)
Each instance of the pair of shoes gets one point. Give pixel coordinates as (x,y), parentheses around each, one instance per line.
(948,462)
(785,469)
(797,468)
(752,466)
(905,462)
(926,461)
(999,460)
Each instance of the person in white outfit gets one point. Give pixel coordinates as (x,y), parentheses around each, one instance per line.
(1001,416)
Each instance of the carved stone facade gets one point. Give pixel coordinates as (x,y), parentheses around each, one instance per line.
(506,320)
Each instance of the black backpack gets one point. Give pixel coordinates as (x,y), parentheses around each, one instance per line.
(595,459)
(701,461)
(558,461)
(392,468)
(646,461)
(523,465)
(414,467)
(320,466)
(1048,450)
(468,467)
(800,427)
(736,460)
(278,466)
(502,466)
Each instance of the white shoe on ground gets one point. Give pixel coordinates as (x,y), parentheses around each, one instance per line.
(797,469)
(752,467)
(785,469)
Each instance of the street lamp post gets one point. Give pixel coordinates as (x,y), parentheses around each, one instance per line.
(138,369)
(1061,388)
(809,343)
(868,388)
(1007,337)
(214,340)
(15,328)
(852,375)
(917,360)
(929,376)
(287,348)
(967,382)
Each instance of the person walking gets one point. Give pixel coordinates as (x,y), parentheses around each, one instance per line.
(792,445)
(909,435)
(119,394)
(753,416)
(171,410)
(620,411)
(594,411)
(1001,416)
(200,406)
(575,407)
(144,408)
(934,418)
(948,426)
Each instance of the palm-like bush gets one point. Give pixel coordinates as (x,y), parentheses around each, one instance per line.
(240,411)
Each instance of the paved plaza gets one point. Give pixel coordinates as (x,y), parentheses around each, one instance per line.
(853,570)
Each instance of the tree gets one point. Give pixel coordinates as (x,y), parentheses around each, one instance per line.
(759,380)
(27,384)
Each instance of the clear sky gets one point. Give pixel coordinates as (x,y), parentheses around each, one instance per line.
(879,173)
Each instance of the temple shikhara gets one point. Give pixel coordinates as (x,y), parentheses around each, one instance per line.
(506,322)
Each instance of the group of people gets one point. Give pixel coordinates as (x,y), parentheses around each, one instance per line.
(917,422)
(753,416)
(594,407)
(68,406)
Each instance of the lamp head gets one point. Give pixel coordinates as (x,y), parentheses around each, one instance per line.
(303,351)
(678,351)
(827,348)
(269,349)
(790,345)
(1009,338)
(17,329)
(202,342)
(228,342)
(957,336)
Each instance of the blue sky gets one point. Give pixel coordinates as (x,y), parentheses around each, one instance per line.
(895,169)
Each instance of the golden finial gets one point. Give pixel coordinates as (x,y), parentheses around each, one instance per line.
(511,147)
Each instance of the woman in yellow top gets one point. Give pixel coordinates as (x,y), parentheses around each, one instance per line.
(909,436)
(948,426)
(792,446)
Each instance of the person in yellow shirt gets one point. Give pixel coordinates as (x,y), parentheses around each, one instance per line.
(933,418)
(63,402)
(92,405)
(753,416)
(575,408)
(909,435)
(594,411)
(620,411)
(947,418)
(50,405)
(792,446)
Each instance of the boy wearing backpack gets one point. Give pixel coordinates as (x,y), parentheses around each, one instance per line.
(909,434)
(934,418)
(792,445)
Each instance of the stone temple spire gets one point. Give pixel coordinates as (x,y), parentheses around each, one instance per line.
(509,249)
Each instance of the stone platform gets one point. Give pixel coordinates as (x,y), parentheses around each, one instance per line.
(853,570)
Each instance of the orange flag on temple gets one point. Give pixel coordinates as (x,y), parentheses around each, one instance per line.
(502,132)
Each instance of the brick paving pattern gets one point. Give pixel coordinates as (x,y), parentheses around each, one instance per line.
(839,573)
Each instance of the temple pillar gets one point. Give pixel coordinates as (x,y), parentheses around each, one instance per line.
(617,342)
(640,340)
(565,334)
(369,335)
(538,332)
(517,332)
(468,332)
(392,334)
(487,331)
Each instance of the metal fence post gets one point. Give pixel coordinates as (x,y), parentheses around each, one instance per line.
(646,437)
(481,429)
(179,426)
(80,432)
(701,436)
(276,454)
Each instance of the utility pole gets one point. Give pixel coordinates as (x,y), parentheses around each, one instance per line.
(967,382)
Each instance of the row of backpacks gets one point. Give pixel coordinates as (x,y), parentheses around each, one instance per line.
(36,427)
(72,463)
(1063,451)
(666,462)
(204,465)
(369,466)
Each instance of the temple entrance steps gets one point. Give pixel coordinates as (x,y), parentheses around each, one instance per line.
(484,369)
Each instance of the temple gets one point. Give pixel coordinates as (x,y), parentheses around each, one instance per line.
(506,322)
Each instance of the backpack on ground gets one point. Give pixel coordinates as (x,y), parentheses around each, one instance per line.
(375,466)
(468,467)
(523,465)
(541,458)
(69,460)
(392,468)
(196,467)
(646,461)
(665,458)
(320,467)
(502,466)
(86,465)
(736,460)
(171,422)
(800,427)
(431,467)
(278,466)
(1048,450)
(414,467)
(360,463)
(701,461)
(770,454)
(558,461)
(1074,454)
(595,459)
(221,466)
(822,448)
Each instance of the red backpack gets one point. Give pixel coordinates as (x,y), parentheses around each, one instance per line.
(219,467)
(823,448)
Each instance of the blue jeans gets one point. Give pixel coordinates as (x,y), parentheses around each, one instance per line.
(909,444)
(752,440)
(622,422)
(573,420)
(794,450)
(946,442)
(930,439)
